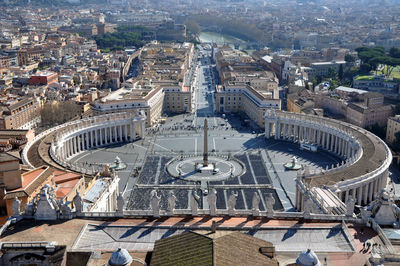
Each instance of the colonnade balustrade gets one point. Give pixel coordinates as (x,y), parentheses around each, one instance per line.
(96,132)
(354,145)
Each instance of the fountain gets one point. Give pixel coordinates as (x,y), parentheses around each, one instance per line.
(293,165)
(118,164)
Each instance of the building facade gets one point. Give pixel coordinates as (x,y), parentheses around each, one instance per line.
(393,128)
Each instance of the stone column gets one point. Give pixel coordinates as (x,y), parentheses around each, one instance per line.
(267,129)
(120,132)
(365,194)
(73,145)
(78,143)
(370,191)
(91,138)
(296,132)
(315,136)
(70,147)
(143,126)
(96,137)
(115,133)
(359,194)
(126,132)
(134,131)
(131,131)
(106,135)
(277,130)
(346,196)
(87,139)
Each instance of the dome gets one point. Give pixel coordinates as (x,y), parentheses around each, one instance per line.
(307,258)
(120,257)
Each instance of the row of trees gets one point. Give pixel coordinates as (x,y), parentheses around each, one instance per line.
(53,114)
(373,57)
(123,37)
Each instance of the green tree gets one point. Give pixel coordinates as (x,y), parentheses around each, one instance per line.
(397,109)
(332,74)
(378,130)
(340,73)
(394,52)
(396,143)
(349,58)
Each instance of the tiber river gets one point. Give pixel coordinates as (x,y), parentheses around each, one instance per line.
(219,38)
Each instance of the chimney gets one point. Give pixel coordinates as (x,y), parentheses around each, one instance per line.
(213,226)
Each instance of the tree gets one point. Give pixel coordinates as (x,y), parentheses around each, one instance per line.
(377,130)
(340,73)
(396,143)
(349,58)
(397,109)
(332,73)
(394,52)
(53,114)
(193,27)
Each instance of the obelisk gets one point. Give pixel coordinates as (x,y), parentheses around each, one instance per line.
(205,152)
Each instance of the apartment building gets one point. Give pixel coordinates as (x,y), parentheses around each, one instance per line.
(322,68)
(21,114)
(177,100)
(246,99)
(393,127)
(369,112)
(150,101)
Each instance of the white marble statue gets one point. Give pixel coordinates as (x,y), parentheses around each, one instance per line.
(194,203)
(212,202)
(350,206)
(78,203)
(255,204)
(308,206)
(171,203)
(66,212)
(16,207)
(269,202)
(155,203)
(120,203)
(232,203)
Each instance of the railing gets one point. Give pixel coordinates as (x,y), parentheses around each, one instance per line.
(219,213)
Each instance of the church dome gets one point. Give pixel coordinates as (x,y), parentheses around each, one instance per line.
(120,257)
(307,258)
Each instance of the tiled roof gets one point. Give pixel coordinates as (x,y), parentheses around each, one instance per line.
(31,181)
(206,248)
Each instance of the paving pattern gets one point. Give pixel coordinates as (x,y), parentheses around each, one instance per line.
(155,176)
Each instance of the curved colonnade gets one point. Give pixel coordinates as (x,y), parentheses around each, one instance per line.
(74,137)
(366,158)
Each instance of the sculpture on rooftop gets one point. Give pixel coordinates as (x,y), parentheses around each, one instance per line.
(255,204)
(232,203)
(194,203)
(155,203)
(171,203)
(212,202)
(78,203)
(120,203)
(269,202)
(16,207)
(350,206)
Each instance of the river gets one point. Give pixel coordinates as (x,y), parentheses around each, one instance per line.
(220,38)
